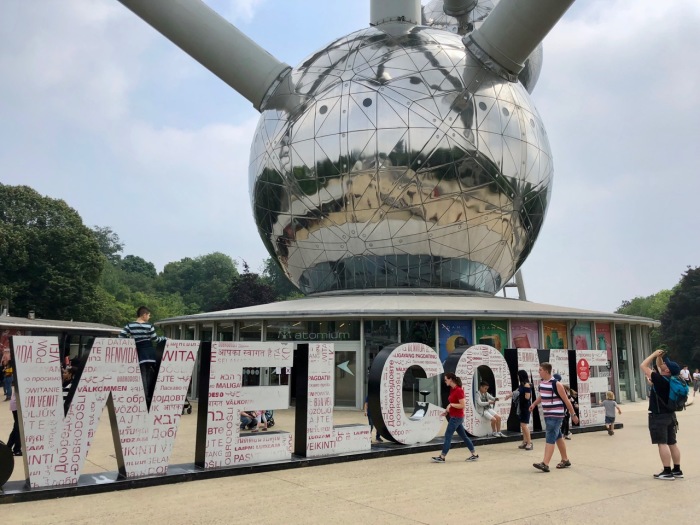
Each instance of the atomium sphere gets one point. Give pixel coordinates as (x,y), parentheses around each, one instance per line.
(434,16)
(397,160)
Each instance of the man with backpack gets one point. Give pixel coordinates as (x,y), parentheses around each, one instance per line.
(664,400)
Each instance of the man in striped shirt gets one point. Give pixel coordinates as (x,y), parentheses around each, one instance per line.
(144,335)
(554,404)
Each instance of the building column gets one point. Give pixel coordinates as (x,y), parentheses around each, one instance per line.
(630,364)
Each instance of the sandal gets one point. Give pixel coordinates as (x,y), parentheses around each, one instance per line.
(564,463)
(541,466)
(254,430)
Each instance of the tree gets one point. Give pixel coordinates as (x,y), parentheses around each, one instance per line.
(109,243)
(652,307)
(680,323)
(135,264)
(202,282)
(50,261)
(248,289)
(275,278)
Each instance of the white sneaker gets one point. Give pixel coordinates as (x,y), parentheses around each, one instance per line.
(500,434)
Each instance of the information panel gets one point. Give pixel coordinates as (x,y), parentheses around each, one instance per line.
(322,438)
(225,443)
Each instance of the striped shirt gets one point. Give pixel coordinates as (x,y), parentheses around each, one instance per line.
(552,404)
(144,335)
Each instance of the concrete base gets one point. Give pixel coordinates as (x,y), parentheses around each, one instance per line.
(97,483)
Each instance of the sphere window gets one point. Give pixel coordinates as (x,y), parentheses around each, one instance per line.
(367,102)
(323,110)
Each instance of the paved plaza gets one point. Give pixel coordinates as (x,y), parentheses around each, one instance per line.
(610,482)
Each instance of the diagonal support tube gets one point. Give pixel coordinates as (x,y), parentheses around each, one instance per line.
(514,29)
(215,43)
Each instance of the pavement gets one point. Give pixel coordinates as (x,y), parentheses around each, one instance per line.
(610,482)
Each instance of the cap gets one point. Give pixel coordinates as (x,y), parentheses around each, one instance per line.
(673,367)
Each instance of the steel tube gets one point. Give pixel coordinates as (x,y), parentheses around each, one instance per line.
(515,28)
(213,42)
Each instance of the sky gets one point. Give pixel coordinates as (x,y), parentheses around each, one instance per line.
(98,109)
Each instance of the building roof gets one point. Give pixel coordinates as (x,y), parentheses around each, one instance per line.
(23,323)
(406,305)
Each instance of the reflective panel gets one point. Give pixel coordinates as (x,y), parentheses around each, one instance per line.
(434,16)
(396,160)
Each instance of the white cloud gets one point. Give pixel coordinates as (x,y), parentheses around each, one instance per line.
(618,96)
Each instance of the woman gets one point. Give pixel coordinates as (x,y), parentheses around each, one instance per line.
(523,400)
(696,381)
(455,412)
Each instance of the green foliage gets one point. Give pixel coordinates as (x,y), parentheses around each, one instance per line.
(202,282)
(51,262)
(122,291)
(680,323)
(109,243)
(274,277)
(652,307)
(248,289)
(135,264)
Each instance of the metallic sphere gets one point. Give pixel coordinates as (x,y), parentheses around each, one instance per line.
(394,159)
(434,16)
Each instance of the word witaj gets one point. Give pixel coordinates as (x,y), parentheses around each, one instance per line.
(57,441)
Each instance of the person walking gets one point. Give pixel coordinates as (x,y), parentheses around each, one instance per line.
(696,381)
(610,406)
(145,337)
(522,398)
(14,442)
(455,411)
(365,407)
(8,372)
(663,424)
(685,374)
(554,403)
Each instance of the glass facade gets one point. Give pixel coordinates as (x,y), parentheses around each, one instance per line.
(250,331)
(225,332)
(357,343)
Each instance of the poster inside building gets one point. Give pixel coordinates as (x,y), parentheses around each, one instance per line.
(492,333)
(454,334)
(526,334)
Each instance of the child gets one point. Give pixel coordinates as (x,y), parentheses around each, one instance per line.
(484,406)
(610,406)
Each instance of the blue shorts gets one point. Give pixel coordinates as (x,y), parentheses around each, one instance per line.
(553,429)
(609,420)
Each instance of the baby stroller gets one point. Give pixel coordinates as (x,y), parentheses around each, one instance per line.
(187,407)
(270,418)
